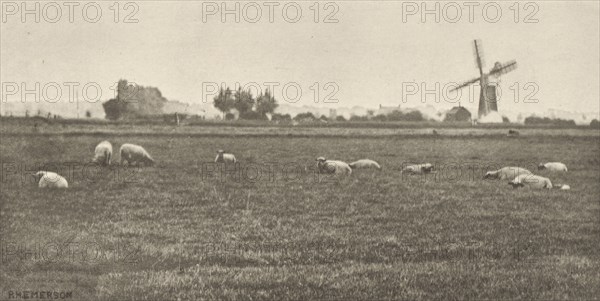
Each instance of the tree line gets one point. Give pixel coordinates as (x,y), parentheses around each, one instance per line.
(244,102)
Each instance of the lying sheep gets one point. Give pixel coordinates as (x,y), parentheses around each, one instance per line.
(48,179)
(562,186)
(532,181)
(512,133)
(132,153)
(364,163)
(418,169)
(505,173)
(333,167)
(553,166)
(103,153)
(223,157)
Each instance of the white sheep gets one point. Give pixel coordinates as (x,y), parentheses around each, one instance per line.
(562,186)
(103,153)
(418,168)
(48,179)
(505,173)
(132,153)
(334,167)
(223,157)
(553,166)
(532,181)
(364,163)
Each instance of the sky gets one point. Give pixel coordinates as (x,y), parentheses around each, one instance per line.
(374,54)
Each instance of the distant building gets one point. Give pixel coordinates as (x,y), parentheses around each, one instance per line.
(458,114)
(332,114)
(182,108)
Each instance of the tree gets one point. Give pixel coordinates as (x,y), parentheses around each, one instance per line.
(224,101)
(358,118)
(266,103)
(410,116)
(283,118)
(134,101)
(549,121)
(505,119)
(414,116)
(340,118)
(114,109)
(88,114)
(244,101)
(253,115)
(595,123)
(380,117)
(307,116)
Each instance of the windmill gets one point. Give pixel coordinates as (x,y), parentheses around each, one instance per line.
(487,95)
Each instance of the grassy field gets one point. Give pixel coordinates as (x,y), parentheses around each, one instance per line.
(177,231)
(39,125)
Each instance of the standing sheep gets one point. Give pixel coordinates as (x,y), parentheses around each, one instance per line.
(103,153)
(532,181)
(418,169)
(505,173)
(553,166)
(364,163)
(333,167)
(48,179)
(132,153)
(223,157)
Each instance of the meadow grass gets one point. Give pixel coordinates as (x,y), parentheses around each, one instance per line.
(182,229)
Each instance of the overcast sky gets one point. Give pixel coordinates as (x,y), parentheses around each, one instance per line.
(370,53)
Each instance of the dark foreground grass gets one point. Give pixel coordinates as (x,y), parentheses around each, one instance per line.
(177,231)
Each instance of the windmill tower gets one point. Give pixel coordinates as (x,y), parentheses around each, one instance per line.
(488,101)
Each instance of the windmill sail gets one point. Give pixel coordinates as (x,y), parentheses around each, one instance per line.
(478,52)
(465,84)
(503,68)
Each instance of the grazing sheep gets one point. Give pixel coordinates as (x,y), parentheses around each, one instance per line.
(418,169)
(48,179)
(103,153)
(333,167)
(553,166)
(364,163)
(132,153)
(223,157)
(532,181)
(506,173)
